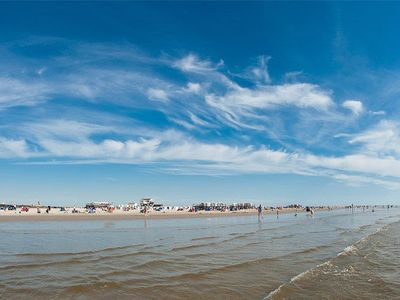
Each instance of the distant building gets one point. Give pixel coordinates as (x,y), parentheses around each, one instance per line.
(149,203)
(239,206)
(105,205)
(146,202)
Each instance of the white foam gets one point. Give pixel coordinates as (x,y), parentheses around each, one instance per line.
(295,278)
(348,250)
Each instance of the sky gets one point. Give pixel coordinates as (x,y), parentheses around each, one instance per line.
(186,102)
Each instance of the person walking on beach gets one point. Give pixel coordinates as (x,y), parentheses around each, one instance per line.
(259,209)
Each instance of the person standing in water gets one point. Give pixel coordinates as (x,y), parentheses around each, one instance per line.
(259,210)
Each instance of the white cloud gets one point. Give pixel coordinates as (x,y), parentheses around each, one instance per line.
(293,76)
(192,63)
(172,148)
(108,84)
(355,106)
(198,121)
(107,149)
(251,107)
(260,72)
(14,92)
(359,163)
(381,139)
(183,123)
(378,113)
(302,95)
(10,148)
(362,180)
(208,97)
(61,129)
(157,94)
(193,87)
(209,91)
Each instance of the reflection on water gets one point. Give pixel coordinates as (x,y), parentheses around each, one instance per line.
(235,257)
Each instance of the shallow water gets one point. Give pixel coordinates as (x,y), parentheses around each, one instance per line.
(237,257)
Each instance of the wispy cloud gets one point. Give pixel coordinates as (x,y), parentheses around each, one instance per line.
(11,148)
(378,113)
(193,87)
(157,94)
(302,95)
(213,158)
(355,106)
(382,139)
(362,180)
(192,63)
(26,92)
(200,117)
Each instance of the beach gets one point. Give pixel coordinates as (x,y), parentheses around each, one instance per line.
(57,215)
(278,257)
(223,150)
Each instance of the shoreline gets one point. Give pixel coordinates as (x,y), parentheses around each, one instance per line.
(29,217)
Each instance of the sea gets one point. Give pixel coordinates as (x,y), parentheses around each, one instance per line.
(339,254)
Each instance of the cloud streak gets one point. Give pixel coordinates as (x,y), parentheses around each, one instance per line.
(190,155)
(16,92)
(188,114)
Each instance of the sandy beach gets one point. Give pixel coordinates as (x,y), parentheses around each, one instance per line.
(57,215)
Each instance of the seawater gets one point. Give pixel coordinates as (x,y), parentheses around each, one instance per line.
(334,255)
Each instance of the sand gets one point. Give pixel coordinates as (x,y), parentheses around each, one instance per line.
(56,215)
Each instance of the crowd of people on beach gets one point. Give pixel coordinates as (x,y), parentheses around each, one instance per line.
(107,208)
(310,211)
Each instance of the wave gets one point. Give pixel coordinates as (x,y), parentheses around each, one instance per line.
(349,250)
(78,253)
(245,264)
(234,237)
(293,279)
(80,260)
(39,265)
(204,238)
(188,247)
(221,269)
(262,242)
(83,288)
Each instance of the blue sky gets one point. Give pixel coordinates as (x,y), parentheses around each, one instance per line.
(272,103)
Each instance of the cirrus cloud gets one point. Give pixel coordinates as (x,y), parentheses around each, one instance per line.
(205,119)
(355,106)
